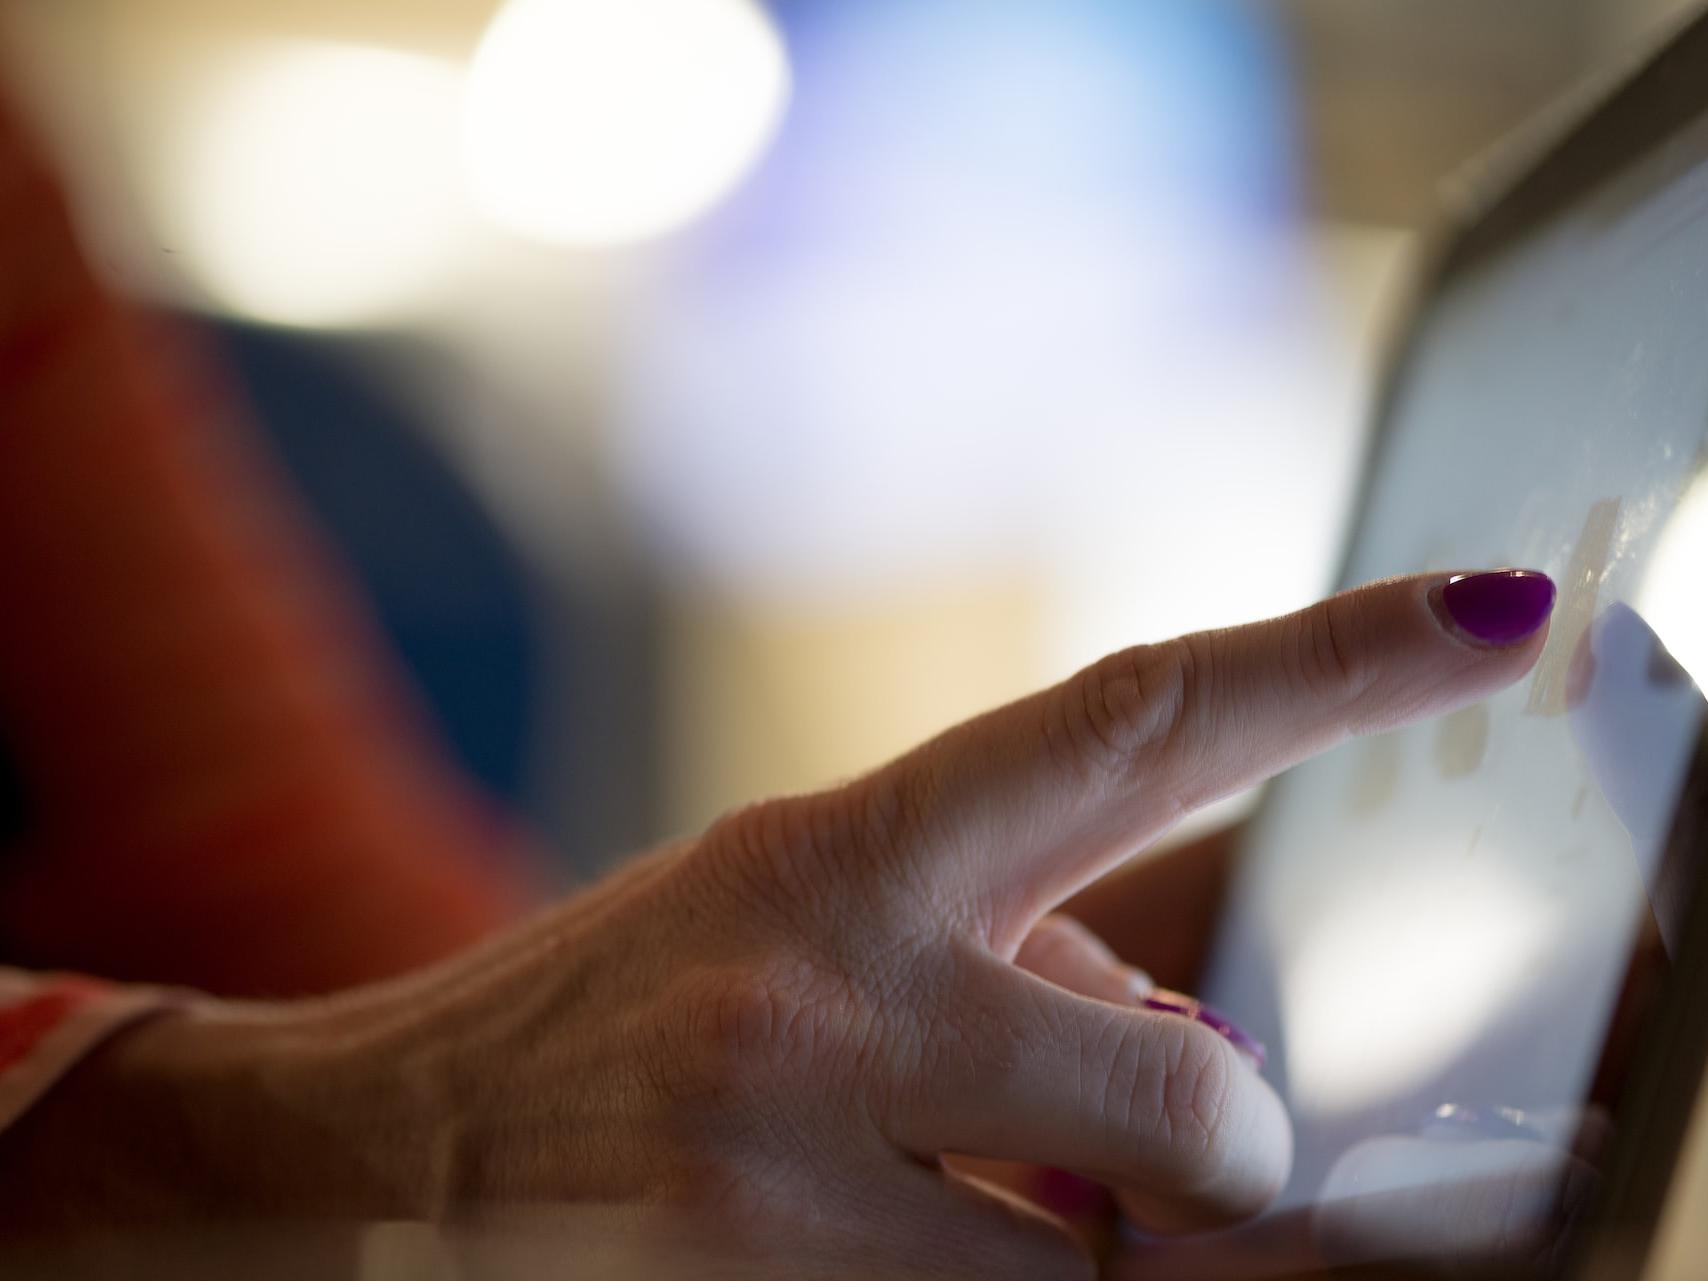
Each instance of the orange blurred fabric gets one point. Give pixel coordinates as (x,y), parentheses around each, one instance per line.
(228,785)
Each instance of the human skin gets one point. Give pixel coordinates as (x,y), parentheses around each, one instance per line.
(785,1023)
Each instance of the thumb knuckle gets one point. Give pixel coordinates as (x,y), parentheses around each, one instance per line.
(1197,1101)
(1179,1100)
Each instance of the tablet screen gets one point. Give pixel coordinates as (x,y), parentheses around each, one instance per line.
(1437,931)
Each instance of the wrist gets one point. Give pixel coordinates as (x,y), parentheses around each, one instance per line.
(214,1110)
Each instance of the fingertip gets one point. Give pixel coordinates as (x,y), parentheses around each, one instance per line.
(1249,1139)
(1262,1133)
(1416,659)
(1281,1130)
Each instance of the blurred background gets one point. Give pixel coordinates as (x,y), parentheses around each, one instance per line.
(715,397)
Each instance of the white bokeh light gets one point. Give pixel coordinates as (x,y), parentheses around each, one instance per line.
(1671,597)
(1022,297)
(315,184)
(599,122)
(1394,983)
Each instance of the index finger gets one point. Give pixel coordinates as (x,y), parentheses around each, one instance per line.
(1017,809)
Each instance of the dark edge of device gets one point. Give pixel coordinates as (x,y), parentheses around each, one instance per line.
(1660,1092)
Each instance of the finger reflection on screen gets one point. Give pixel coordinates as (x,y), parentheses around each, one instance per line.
(1635,721)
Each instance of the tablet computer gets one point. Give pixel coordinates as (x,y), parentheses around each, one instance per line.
(1478,948)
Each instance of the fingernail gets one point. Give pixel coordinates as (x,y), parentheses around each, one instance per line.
(1499,608)
(1167,1002)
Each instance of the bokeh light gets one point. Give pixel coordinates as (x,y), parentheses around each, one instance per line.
(1671,598)
(1399,977)
(596,122)
(314,184)
(1018,314)
(1016,283)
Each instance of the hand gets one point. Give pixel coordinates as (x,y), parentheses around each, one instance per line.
(785,1023)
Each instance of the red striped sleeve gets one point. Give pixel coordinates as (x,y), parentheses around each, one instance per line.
(49,1022)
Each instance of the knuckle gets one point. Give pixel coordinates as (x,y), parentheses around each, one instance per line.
(714,1022)
(717,1103)
(1178,1096)
(1329,659)
(761,1030)
(743,1020)
(772,850)
(884,845)
(824,853)
(763,832)
(1133,705)
(891,809)
(746,1026)
(1196,1102)
(769,1064)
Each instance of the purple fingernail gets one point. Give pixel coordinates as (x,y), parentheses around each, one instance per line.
(1499,608)
(1188,1007)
